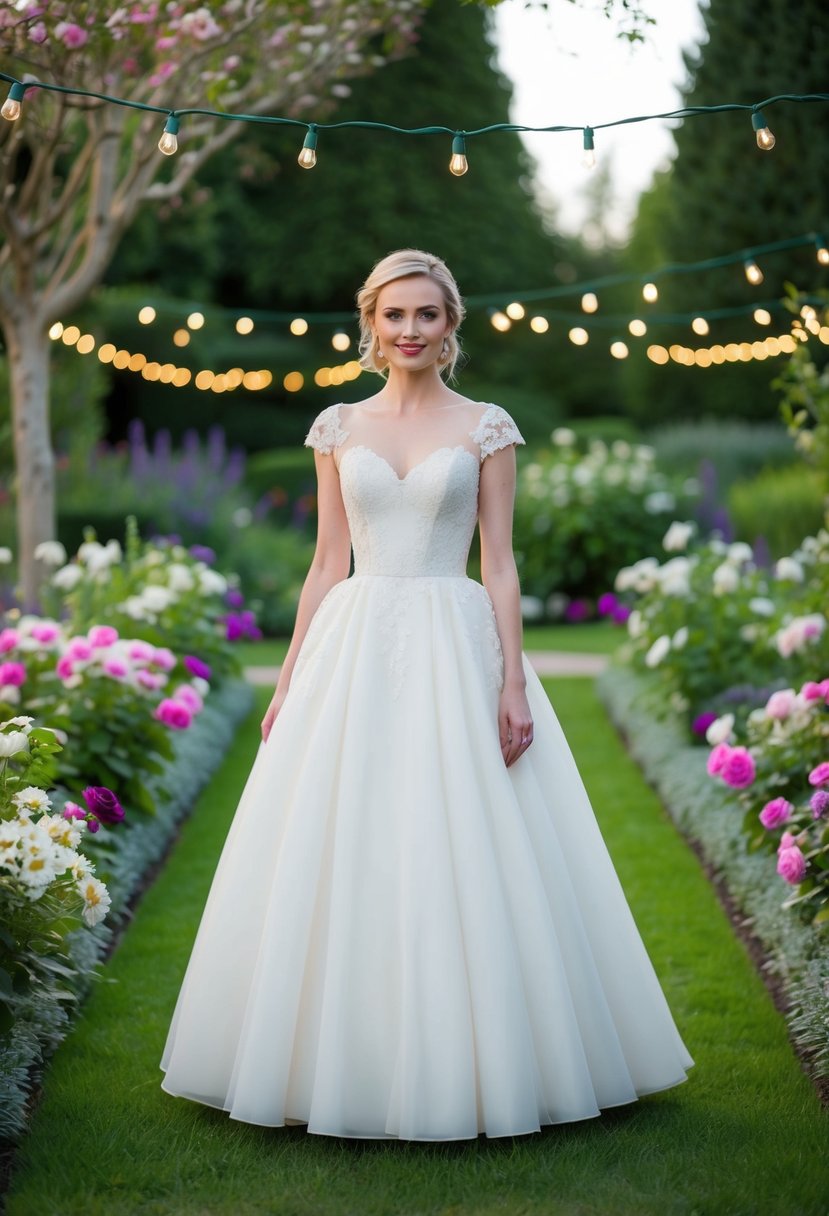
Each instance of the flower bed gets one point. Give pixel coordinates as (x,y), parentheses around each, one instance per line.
(705,813)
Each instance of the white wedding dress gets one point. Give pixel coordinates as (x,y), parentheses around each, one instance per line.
(405,938)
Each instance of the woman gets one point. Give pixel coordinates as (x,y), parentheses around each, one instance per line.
(415,930)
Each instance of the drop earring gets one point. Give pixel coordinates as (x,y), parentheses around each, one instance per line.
(444,354)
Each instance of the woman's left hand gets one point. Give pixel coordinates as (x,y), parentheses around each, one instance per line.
(515,724)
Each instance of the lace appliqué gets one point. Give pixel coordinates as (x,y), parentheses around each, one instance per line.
(495,430)
(326,433)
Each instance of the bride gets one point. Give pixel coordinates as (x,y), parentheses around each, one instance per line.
(415,930)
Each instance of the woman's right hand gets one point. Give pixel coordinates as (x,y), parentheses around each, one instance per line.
(273,709)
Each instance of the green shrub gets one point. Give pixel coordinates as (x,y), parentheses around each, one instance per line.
(781,505)
(735,449)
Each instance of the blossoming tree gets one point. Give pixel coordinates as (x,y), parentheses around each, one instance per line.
(74,171)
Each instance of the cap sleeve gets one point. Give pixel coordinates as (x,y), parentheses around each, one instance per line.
(495,430)
(326,433)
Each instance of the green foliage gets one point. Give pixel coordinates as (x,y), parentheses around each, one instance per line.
(804,385)
(733,448)
(780,505)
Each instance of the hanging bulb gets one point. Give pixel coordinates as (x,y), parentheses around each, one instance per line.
(458,164)
(308,155)
(765,139)
(11,106)
(822,250)
(753,272)
(588,156)
(589,302)
(168,144)
(650,293)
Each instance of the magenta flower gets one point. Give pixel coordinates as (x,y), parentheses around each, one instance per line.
(38,33)
(812,691)
(12,673)
(115,667)
(234,598)
(103,804)
(173,713)
(71,35)
(9,639)
(791,864)
(738,770)
(776,812)
(79,648)
(102,636)
(702,722)
(65,667)
(818,776)
(164,658)
(607,603)
(141,652)
(197,666)
(717,759)
(72,811)
(188,696)
(621,613)
(45,632)
(151,680)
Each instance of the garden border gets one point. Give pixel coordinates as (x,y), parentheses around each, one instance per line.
(784,948)
(137,851)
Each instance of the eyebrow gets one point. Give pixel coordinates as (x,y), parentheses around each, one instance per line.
(420,307)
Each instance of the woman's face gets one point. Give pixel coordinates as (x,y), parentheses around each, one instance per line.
(411,322)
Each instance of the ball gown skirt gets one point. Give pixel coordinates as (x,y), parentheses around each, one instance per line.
(405,938)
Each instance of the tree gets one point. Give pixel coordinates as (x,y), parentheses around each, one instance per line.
(75,171)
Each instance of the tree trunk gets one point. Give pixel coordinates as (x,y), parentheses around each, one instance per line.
(28,350)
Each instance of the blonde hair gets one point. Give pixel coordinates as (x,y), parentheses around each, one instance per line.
(404,264)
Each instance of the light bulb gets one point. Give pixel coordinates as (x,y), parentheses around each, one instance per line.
(589,301)
(753,273)
(765,139)
(168,144)
(700,326)
(650,293)
(588,156)
(637,327)
(619,350)
(458,165)
(308,155)
(822,251)
(11,106)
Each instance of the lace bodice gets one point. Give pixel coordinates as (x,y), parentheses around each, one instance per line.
(420,523)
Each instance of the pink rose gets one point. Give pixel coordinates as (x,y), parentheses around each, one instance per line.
(12,673)
(188,696)
(791,864)
(45,632)
(776,812)
(102,636)
(151,680)
(738,771)
(780,704)
(717,759)
(116,668)
(812,691)
(71,35)
(164,658)
(65,667)
(174,714)
(141,652)
(37,33)
(819,775)
(79,648)
(9,638)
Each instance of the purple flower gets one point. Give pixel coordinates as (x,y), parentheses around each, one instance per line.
(197,666)
(620,614)
(234,598)
(819,802)
(577,610)
(607,604)
(103,804)
(701,723)
(203,553)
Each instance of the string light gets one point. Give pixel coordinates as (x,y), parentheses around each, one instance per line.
(650,293)
(619,350)
(753,272)
(515,311)
(341,341)
(762,316)
(181,337)
(299,326)
(765,139)
(195,320)
(168,144)
(589,302)
(589,155)
(11,108)
(700,326)
(579,336)
(539,325)
(146,315)
(637,328)
(458,164)
(308,155)
(821,250)
(244,325)
(500,321)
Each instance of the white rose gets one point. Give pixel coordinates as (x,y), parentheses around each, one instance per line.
(725,579)
(67,577)
(739,552)
(658,651)
(211,582)
(788,570)
(636,625)
(180,577)
(51,552)
(12,743)
(720,730)
(156,599)
(677,537)
(680,637)
(675,576)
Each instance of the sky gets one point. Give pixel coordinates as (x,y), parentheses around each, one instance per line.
(568,66)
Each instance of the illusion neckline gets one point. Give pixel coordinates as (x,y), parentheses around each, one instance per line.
(362,447)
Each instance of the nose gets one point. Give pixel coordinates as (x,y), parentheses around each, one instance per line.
(411,328)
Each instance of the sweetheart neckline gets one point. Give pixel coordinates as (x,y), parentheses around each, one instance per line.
(357,447)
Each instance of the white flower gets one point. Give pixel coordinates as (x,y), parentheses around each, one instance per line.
(113,551)
(65,832)
(180,577)
(67,577)
(788,570)
(10,833)
(725,579)
(25,723)
(51,552)
(636,625)
(739,552)
(532,608)
(156,599)
(211,582)
(563,437)
(31,799)
(242,517)
(658,651)
(5,555)
(680,637)
(677,537)
(135,609)
(36,871)
(641,576)
(96,900)
(720,730)
(762,605)
(80,866)
(621,449)
(675,576)
(658,501)
(201,685)
(16,741)
(798,633)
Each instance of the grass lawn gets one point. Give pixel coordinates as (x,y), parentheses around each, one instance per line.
(596,638)
(744,1137)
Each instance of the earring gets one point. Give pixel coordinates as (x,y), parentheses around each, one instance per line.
(444,354)
(380,354)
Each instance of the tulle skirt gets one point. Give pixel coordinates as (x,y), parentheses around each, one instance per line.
(404,938)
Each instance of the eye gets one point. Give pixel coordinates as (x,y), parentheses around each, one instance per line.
(392,314)
(430,316)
